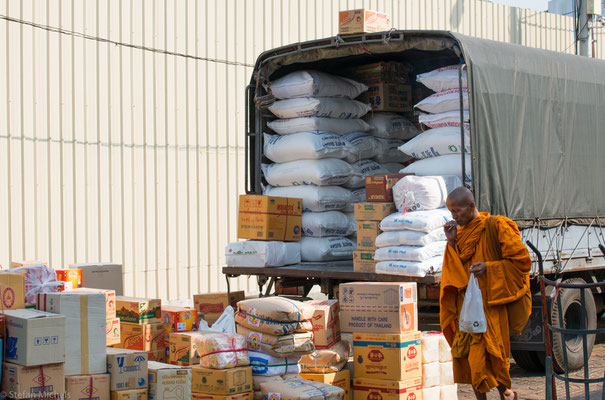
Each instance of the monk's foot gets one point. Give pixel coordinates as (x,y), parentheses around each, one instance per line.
(509,395)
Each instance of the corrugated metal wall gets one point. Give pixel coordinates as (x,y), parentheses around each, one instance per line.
(121,122)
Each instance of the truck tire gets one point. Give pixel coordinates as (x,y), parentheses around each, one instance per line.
(528,360)
(572,314)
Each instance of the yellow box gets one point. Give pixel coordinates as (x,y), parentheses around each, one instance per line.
(134,394)
(396,357)
(221,381)
(145,337)
(13,291)
(373,211)
(212,305)
(179,319)
(364,389)
(112,331)
(183,349)
(341,379)
(362,21)
(363,261)
(138,311)
(240,396)
(269,218)
(367,232)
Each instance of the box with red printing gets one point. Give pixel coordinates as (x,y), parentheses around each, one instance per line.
(179,319)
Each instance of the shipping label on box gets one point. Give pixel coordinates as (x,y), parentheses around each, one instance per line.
(179,319)
(395,357)
(112,331)
(34,337)
(87,387)
(363,261)
(362,21)
(71,278)
(145,337)
(368,389)
(183,349)
(378,307)
(110,299)
(393,97)
(169,382)
(239,396)
(373,211)
(12,294)
(128,369)
(221,381)
(379,188)
(367,232)
(102,276)
(134,394)
(158,355)
(269,218)
(139,311)
(326,324)
(20,382)
(212,305)
(341,379)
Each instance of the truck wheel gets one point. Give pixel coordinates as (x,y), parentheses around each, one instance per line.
(528,360)
(572,319)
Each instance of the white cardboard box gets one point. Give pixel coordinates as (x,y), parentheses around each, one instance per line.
(169,381)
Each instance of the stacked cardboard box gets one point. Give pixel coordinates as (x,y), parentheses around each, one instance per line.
(183,349)
(221,384)
(102,276)
(128,370)
(169,382)
(112,323)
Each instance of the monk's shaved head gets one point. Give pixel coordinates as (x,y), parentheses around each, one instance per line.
(461,196)
(461,204)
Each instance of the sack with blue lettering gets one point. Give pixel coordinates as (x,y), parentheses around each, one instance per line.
(294,344)
(268,365)
(275,315)
(300,389)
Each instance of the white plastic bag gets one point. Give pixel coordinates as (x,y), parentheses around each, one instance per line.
(319,107)
(315,198)
(304,146)
(324,172)
(437,142)
(410,253)
(327,223)
(224,324)
(315,84)
(253,253)
(268,365)
(413,193)
(306,124)
(472,315)
(410,268)
(445,351)
(443,78)
(450,118)
(389,151)
(410,238)
(448,100)
(391,126)
(327,249)
(420,221)
(431,393)
(361,169)
(360,145)
(38,279)
(450,164)
(430,346)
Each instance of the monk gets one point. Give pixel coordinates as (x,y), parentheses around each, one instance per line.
(489,247)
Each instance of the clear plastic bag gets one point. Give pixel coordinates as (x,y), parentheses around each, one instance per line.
(472,315)
(222,350)
(38,279)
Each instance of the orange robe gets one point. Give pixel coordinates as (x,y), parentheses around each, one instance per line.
(483,359)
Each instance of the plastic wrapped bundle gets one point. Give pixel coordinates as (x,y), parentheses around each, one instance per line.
(38,279)
(326,360)
(414,193)
(301,389)
(446,373)
(268,365)
(432,393)
(431,374)
(445,351)
(275,315)
(222,350)
(430,347)
(278,346)
(449,392)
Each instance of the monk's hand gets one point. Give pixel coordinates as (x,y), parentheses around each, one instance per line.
(450,228)
(478,269)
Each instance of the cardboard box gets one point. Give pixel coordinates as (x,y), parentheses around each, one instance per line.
(378,307)
(13,291)
(269,218)
(326,324)
(112,331)
(102,276)
(34,337)
(379,188)
(367,232)
(159,355)
(169,382)
(393,97)
(362,21)
(364,389)
(380,72)
(134,394)
(128,369)
(86,387)
(363,261)
(145,337)
(110,299)
(240,396)
(179,319)
(138,311)
(341,379)
(212,305)
(71,278)
(373,211)
(183,349)
(221,381)
(85,335)
(396,357)
(22,382)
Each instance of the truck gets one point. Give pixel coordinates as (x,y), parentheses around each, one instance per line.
(537,123)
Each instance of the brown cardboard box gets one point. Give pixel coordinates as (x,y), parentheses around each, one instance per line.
(26,382)
(379,188)
(364,389)
(19,264)
(378,307)
(367,232)
(373,211)
(362,21)
(110,299)
(269,218)
(13,290)
(179,319)
(134,394)
(212,305)
(183,349)
(82,387)
(326,325)
(102,276)
(393,97)
(363,261)
(240,396)
(36,337)
(341,379)
(381,71)
(396,357)
(112,331)
(158,355)
(128,369)
(139,311)
(145,337)
(168,381)
(221,381)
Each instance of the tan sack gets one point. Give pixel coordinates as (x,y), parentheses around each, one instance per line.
(301,389)
(222,350)
(324,361)
(279,346)
(275,315)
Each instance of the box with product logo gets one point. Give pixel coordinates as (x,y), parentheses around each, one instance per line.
(110,299)
(362,21)
(367,232)
(221,381)
(183,349)
(102,276)
(86,387)
(341,379)
(12,293)
(378,307)
(134,394)
(145,337)
(379,188)
(128,369)
(373,211)
(138,311)
(239,396)
(179,319)
(370,389)
(212,305)
(395,357)
(158,355)
(269,218)
(363,261)
(112,331)
(384,96)
(71,278)
(168,382)
(21,382)
(326,324)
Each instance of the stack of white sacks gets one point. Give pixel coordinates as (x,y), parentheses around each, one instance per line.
(437,371)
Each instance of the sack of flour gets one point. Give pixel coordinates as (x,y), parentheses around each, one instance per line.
(254,253)
(325,172)
(315,198)
(326,249)
(437,142)
(328,107)
(444,78)
(409,238)
(315,84)
(391,126)
(410,268)
(360,146)
(448,100)
(222,350)
(309,124)
(389,151)
(279,346)
(268,365)
(257,380)
(414,193)
(410,253)
(450,118)
(447,165)
(304,146)
(301,389)
(361,169)
(328,360)
(327,223)
(421,221)
(275,315)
